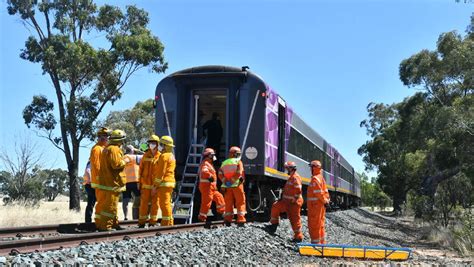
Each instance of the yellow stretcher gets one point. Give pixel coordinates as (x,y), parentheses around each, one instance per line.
(359,252)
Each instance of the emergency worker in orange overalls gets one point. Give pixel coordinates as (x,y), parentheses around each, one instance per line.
(208,185)
(131,172)
(317,200)
(94,159)
(112,180)
(147,173)
(232,176)
(165,181)
(290,203)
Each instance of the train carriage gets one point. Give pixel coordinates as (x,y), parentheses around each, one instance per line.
(253,117)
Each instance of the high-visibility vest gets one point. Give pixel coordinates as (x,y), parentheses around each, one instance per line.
(131,169)
(87,174)
(293,187)
(317,190)
(231,170)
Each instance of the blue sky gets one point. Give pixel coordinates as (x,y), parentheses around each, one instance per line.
(328,59)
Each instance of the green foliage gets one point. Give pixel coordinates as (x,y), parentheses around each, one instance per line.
(23,188)
(427,138)
(137,122)
(372,194)
(85,76)
(54,183)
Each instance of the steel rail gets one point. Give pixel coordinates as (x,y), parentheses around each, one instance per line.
(52,228)
(73,240)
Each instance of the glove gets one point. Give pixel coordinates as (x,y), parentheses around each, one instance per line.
(326,205)
(222,190)
(241,180)
(211,180)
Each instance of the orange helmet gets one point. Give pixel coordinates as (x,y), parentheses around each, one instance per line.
(315,163)
(234,150)
(208,151)
(290,165)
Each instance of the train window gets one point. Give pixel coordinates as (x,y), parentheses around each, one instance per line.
(303,148)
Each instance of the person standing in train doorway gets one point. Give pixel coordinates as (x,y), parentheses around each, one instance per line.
(290,203)
(317,201)
(213,130)
(232,176)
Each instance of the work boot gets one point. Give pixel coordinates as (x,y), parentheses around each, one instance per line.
(240,224)
(272,228)
(227,224)
(297,240)
(141,226)
(118,227)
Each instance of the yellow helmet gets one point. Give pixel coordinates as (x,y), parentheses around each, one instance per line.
(117,135)
(154,138)
(103,131)
(167,141)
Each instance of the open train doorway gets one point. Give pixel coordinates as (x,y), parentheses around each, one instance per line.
(210,119)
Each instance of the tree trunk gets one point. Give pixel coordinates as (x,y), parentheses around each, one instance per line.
(430,183)
(74,188)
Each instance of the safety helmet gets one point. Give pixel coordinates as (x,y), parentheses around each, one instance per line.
(117,135)
(103,131)
(167,140)
(154,138)
(315,163)
(234,150)
(290,165)
(208,151)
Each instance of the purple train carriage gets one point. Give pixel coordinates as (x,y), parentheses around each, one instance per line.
(254,117)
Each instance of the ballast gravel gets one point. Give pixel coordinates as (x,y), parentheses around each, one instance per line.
(249,245)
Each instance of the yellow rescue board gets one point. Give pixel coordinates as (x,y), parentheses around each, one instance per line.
(360,252)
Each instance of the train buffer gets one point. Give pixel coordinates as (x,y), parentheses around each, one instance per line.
(358,252)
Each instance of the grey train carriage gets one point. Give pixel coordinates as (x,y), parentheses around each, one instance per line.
(254,117)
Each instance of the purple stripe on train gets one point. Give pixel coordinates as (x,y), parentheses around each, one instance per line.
(271,128)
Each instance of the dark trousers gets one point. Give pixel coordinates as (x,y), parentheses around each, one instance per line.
(90,202)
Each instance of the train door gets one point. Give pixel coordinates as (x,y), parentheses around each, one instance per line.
(281,133)
(210,119)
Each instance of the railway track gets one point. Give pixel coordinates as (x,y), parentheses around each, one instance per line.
(62,240)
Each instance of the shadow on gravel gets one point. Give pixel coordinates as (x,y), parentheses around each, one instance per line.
(389,224)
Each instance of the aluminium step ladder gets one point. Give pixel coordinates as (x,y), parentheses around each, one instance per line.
(183,207)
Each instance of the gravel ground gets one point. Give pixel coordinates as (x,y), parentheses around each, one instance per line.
(250,245)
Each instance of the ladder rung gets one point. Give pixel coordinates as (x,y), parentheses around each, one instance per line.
(186,206)
(192,165)
(197,145)
(185,195)
(194,155)
(187,174)
(181,216)
(187,185)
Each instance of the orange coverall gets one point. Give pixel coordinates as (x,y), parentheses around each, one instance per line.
(231,170)
(317,197)
(165,182)
(290,203)
(208,190)
(112,183)
(147,172)
(94,159)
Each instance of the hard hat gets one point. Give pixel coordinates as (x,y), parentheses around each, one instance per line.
(208,151)
(234,149)
(167,141)
(154,138)
(290,165)
(103,131)
(315,163)
(117,135)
